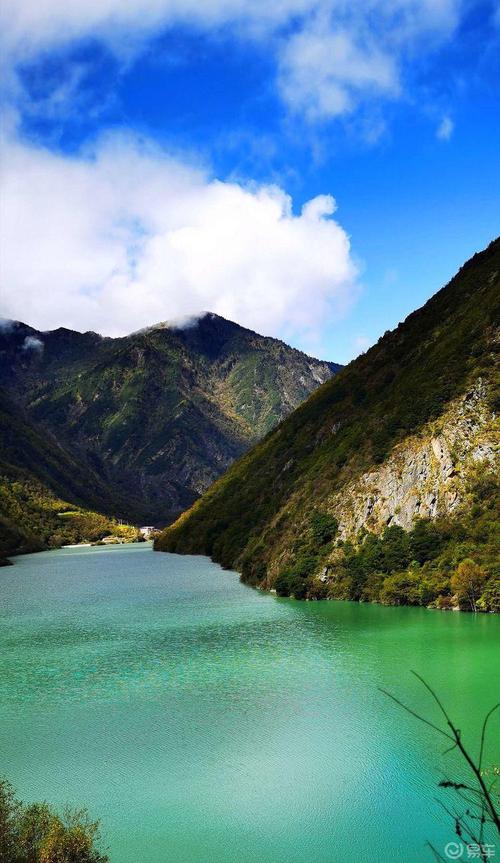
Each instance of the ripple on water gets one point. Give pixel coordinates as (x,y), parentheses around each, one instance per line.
(202,720)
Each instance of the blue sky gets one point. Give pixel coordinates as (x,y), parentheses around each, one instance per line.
(156,162)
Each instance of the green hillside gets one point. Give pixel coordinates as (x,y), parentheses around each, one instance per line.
(303,508)
(33,519)
(38,478)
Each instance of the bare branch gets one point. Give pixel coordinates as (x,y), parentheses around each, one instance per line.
(485,802)
(417,715)
(483,733)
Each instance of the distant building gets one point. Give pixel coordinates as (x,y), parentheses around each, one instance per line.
(147,530)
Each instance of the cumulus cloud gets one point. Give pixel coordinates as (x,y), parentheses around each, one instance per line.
(127,236)
(445,129)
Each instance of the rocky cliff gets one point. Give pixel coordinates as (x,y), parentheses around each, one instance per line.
(428,474)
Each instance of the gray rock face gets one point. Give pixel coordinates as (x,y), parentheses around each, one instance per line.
(427,475)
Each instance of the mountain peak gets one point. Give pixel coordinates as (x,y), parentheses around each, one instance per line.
(198,320)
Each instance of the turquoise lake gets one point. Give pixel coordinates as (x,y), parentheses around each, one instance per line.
(206,722)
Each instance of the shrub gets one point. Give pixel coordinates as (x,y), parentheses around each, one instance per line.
(298,587)
(490,598)
(341,587)
(324,527)
(445,603)
(372,587)
(403,588)
(317,589)
(289,583)
(305,565)
(434,584)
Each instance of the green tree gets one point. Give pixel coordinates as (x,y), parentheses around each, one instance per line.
(282,583)
(425,540)
(37,834)
(10,810)
(402,588)
(324,527)
(372,587)
(490,598)
(468,583)
(395,548)
(372,554)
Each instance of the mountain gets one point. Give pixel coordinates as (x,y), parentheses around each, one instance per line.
(139,426)
(383,482)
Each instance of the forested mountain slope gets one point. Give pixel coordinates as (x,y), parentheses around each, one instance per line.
(45,493)
(388,466)
(137,427)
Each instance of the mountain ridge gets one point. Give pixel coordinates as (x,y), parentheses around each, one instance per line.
(151,418)
(253,518)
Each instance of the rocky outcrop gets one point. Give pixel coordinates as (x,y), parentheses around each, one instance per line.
(428,474)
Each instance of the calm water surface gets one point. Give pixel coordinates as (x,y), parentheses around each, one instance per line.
(205,722)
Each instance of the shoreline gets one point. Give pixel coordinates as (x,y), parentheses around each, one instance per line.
(272,591)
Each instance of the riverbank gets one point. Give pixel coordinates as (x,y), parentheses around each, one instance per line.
(442,563)
(409,589)
(33,518)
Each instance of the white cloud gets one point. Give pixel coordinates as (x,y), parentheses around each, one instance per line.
(361,344)
(31,343)
(330,54)
(128,236)
(445,129)
(29,25)
(348,53)
(324,73)
(32,25)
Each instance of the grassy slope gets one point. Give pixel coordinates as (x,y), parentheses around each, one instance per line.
(264,501)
